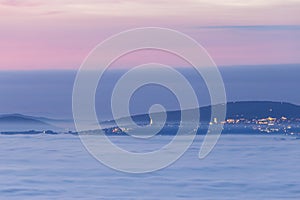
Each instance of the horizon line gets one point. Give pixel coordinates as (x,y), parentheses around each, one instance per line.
(126,68)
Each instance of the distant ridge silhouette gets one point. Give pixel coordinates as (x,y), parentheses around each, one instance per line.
(235,110)
(242,109)
(19,122)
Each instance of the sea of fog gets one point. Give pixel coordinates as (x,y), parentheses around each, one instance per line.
(240,167)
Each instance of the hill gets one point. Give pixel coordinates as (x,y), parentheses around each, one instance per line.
(18,122)
(245,109)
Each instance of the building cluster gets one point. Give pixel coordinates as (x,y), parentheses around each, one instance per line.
(270,121)
(267,125)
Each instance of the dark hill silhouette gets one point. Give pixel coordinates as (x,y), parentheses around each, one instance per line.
(244,109)
(18,122)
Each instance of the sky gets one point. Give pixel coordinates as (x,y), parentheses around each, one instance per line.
(59,34)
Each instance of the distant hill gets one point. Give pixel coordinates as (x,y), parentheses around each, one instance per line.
(18,122)
(246,117)
(244,109)
(262,109)
(247,109)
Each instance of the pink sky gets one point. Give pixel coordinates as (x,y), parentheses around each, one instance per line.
(58,34)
